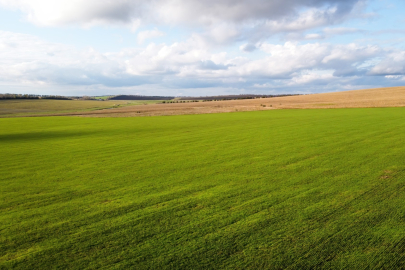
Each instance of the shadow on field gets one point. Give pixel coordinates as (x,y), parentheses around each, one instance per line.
(42,135)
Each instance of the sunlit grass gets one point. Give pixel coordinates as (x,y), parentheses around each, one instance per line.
(294,189)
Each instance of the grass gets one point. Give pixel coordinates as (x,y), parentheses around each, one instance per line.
(286,189)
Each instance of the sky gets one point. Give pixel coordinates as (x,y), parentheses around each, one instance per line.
(199,48)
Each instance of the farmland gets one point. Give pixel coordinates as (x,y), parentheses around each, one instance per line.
(368,98)
(38,107)
(274,189)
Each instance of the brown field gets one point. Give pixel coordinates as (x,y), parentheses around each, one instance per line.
(380,97)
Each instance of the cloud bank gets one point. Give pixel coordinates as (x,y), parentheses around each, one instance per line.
(27,59)
(206,58)
(53,12)
(222,20)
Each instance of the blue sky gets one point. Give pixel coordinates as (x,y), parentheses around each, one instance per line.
(191,47)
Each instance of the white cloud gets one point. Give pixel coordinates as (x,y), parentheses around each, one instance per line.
(351,52)
(324,34)
(312,77)
(31,59)
(306,20)
(340,31)
(248,47)
(393,64)
(87,13)
(313,36)
(149,34)
(400,78)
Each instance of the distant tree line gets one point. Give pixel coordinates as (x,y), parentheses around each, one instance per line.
(179,101)
(233,97)
(30,96)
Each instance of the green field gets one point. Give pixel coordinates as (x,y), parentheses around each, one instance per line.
(280,189)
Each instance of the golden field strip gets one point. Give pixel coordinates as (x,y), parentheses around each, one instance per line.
(381,97)
(368,98)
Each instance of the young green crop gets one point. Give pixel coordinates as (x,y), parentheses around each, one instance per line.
(287,189)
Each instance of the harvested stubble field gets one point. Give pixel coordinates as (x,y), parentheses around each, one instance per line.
(280,189)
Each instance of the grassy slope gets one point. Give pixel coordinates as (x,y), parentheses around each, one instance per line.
(275,189)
